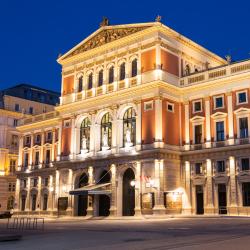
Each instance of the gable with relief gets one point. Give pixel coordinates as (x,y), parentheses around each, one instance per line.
(105,36)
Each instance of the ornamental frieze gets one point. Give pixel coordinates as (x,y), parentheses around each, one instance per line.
(104,37)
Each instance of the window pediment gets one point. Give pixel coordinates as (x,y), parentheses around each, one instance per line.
(219,115)
(242,111)
(197,118)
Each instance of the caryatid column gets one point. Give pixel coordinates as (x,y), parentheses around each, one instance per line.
(90,211)
(113,198)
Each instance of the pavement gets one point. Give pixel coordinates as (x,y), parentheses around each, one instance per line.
(136,233)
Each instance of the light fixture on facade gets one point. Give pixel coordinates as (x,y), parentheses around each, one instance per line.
(64,188)
(132,183)
(51,189)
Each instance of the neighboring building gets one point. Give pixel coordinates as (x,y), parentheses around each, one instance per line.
(16,103)
(149,122)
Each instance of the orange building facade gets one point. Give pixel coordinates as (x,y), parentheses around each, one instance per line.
(149,122)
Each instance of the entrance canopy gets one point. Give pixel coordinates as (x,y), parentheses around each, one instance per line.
(104,188)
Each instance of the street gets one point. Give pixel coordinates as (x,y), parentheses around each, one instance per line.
(173,233)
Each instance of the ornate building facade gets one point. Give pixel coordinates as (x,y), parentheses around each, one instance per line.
(149,122)
(18,102)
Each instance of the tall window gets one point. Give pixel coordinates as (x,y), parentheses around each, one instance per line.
(100,78)
(111,74)
(90,81)
(122,71)
(134,68)
(129,127)
(36,158)
(220,131)
(47,159)
(243,127)
(45,202)
(198,168)
(246,193)
(197,134)
(220,166)
(10,203)
(106,130)
(85,134)
(12,166)
(33,207)
(26,160)
(23,201)
(80,83)
(245,164)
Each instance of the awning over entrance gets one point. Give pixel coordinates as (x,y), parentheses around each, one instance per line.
(104,188)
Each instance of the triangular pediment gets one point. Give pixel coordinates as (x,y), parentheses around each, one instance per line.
(103,36)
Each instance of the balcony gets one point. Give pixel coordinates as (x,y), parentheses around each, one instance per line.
(215,73)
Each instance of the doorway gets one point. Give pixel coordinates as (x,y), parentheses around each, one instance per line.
(82,199)
(104,200)
(199,200)
(222,198)
(128,191)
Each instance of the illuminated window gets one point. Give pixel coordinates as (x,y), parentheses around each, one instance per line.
(85,132)
(100,78)
(106,130)
(218,102)
(129,127)
(243,124)
(242,97)
(122,71)
(220,135)
(80,83)
(134,68)
(111,74)
(90,81)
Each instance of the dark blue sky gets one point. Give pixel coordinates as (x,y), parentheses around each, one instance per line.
(33,33)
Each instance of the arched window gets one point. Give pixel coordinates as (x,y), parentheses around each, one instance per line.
(129,128)
(134,68)
(45,202)
(85,134)
(80,81)
(10,203)
(111,74)
(100,78)
(106,130)
(90,81)
(122,71)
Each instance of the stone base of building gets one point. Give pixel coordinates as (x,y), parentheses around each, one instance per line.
(209,210)
(232,210)
(159,210)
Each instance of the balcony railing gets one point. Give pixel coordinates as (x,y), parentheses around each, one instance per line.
(217,73)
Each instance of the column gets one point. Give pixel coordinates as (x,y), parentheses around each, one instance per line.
(187,131)
(208,128)
(57,189)
(230,118)
(158,61)
(159,207)
(119,134)
(53,144)
(187,196)
(27,205)
(158,122)
(41,156)
(39,203)
(31,150)
(90,210)
(138,189)
(51,195)
(20,152)
(113,198)
(73,139)
(139,76)
(114,133)
(70,187)
(59,142)
(233,187)
(17,207)
(138,126)
(209,206)
(93,134)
